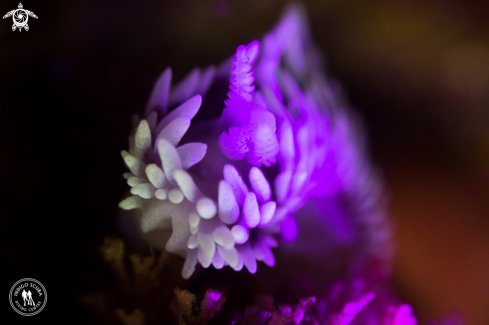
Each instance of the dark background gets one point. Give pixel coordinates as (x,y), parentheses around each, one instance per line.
(418,71)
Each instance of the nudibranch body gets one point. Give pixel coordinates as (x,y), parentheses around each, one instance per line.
(284,161)
(283,140)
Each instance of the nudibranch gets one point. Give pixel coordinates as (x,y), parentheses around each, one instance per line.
(282,141)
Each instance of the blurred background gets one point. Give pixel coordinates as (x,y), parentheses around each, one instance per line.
(418,72)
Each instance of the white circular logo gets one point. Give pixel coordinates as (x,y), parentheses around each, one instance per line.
(28,297)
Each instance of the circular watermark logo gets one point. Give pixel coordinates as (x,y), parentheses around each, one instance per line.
(28,297)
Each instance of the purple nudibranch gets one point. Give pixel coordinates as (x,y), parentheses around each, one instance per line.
(284,139)
(286,146)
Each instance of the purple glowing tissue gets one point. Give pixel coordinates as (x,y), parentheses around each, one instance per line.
(221,180)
